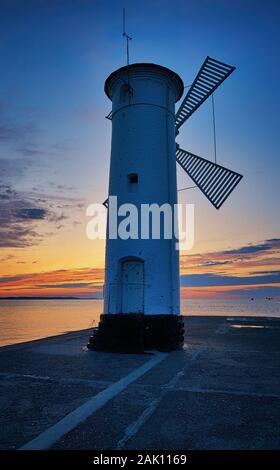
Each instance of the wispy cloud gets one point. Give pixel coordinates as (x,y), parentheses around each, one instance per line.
(231,292)
(85,282)
(239,261)
(88,282)
(205,275)
(233,272)
(215,263)
(20,213)
(212,279)
(31,213)
(267,245)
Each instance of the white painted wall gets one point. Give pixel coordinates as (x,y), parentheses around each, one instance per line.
(143,142)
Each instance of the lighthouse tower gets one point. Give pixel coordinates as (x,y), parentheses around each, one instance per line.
(141,295)
(141,303)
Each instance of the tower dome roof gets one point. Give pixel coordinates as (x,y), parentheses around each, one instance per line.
(133,67)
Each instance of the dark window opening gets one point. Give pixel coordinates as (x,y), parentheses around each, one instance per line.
(133,178)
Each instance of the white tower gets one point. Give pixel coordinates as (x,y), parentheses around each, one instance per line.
(142,275)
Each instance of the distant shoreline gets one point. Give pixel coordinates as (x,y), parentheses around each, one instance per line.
(100,298)
(49,298)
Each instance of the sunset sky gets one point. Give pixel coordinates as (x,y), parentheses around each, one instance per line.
(55,140)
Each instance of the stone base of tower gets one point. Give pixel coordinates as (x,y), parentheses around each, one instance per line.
(136,333)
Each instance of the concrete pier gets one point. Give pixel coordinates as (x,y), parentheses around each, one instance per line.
(221,392)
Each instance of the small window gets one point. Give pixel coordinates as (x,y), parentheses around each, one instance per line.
(132,179)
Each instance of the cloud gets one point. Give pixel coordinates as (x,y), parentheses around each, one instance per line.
(222,274)
(86,282)
(256,291)
(254,257)
(271,273)
(57,218)
(32,214)
(7,279)
(16,212)
(66,285)
(211,279)
(21,213)
(273,243)
(215,263)
(231,292)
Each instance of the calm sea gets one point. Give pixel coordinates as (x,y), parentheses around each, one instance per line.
(25,320)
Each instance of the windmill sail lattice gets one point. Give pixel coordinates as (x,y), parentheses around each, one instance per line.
(211,74)
(215,181)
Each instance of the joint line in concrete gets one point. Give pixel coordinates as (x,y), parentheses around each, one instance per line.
(133,428)
(53,434)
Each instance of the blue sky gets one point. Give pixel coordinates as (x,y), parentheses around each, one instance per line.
(55,140)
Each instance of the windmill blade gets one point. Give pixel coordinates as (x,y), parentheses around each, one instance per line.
(211,74)
(215,181)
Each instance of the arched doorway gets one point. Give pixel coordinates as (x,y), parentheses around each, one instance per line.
(132,285)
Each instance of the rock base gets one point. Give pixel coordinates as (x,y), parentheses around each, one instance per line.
(135,333)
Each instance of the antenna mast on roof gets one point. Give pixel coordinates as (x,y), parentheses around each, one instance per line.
(128,38)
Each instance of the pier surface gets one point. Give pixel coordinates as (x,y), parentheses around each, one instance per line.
(221,392)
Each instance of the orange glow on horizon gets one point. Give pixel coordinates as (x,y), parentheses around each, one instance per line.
(86,283)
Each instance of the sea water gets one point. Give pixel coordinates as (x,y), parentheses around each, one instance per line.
(26,320)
